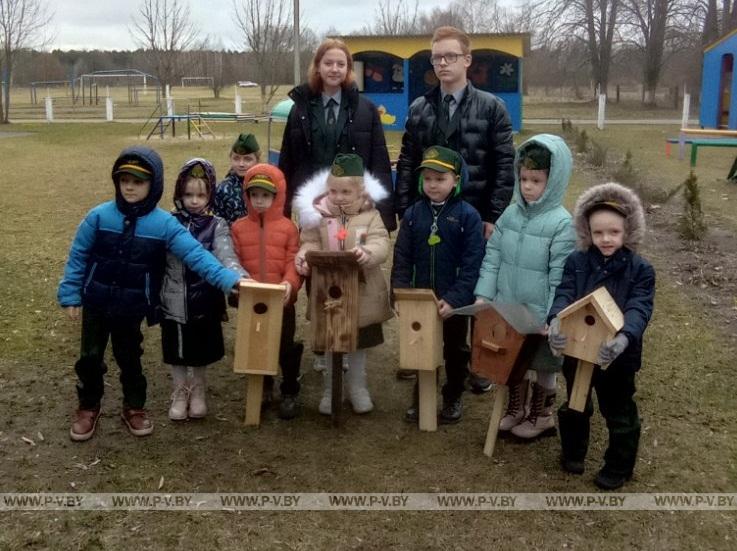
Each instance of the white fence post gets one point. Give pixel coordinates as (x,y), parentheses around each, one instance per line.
(109,108)
(49,109)
(686,110)
(602,111)
(170,106)
(237,104)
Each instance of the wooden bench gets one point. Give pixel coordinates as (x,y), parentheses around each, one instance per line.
(702,137)
(706,142)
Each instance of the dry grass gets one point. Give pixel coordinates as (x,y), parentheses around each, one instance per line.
(52,177)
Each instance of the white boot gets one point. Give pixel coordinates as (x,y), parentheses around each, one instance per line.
(180,393)
(197,403)
(516,407)
(358,392)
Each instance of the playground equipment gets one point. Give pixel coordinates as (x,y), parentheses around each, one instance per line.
(135,81)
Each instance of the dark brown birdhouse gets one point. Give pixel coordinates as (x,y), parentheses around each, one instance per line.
(334,301)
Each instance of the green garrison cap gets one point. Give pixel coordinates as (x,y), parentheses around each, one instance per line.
(535,157)
(347,164)
(245,144)
(441,159)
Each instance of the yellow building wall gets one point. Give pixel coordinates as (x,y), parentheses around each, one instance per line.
(407,46)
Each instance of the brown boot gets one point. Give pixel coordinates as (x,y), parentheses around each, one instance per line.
(137,421)
(85,423)
(516,407)
(540,420)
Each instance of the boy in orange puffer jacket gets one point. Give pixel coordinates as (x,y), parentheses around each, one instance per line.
(266,242)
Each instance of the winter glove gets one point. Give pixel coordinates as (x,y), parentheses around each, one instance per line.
(611,349)
(556,340)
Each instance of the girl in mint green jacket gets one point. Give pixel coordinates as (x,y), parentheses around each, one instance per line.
(524,264)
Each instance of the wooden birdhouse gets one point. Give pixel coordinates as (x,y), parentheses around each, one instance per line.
(588,323)
(258,334)
(421,346)
(496,347)
(334,301)
(334,313)
(498,354)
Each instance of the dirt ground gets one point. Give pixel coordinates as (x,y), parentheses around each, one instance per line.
(685,396)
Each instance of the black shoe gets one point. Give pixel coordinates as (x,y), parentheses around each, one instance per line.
(406,374)
(267,398)
(452,412)
(572,466)
(479,385)
(412,415)
(289,407)
(607,480)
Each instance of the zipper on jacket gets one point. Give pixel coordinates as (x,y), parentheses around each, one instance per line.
(432,247)
(184,282)
(148,291)
(262,249)
(89,277)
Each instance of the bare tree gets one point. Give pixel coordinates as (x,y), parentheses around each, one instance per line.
(438,17)
(22,23)
(487,16)
(395,18)
(165,28)
(711,23)
(658,28)
(265,27)
(595,22)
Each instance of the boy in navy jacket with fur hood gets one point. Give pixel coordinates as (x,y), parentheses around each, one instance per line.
(440,246)
(113,275)
(610,225)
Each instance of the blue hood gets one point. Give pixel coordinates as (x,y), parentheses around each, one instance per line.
(561,165)
(153,161)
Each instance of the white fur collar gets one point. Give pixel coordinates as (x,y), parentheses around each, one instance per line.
(309,216)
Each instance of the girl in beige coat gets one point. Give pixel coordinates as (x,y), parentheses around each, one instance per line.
(336,213)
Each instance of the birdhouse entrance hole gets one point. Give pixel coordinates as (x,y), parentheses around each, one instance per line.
(416,326)
(260,308)
(590,320)
(335,292)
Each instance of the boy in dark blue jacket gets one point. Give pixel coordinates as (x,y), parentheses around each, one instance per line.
(610,225)
(440,246)
(113,275)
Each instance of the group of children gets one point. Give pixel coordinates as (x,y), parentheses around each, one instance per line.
(131,260)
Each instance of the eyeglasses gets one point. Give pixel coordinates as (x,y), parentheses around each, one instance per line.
(448,58)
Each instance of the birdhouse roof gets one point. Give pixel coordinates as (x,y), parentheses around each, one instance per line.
(604,305)
(415,294)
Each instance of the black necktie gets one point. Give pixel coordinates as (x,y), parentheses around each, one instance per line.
(446,107)
(444,120)
(331,111)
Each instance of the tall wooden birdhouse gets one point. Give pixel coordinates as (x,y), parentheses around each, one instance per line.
(420,330)
(589,322)
(421,346)
(334,301)
(260,310)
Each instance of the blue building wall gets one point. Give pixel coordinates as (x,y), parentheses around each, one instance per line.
(394,105)
(710,84)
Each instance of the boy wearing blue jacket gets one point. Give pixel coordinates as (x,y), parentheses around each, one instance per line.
(439,246)
(113,276)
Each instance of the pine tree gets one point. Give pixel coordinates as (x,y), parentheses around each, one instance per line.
(692,224)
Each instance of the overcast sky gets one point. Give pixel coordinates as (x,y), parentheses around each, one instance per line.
(104,25)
